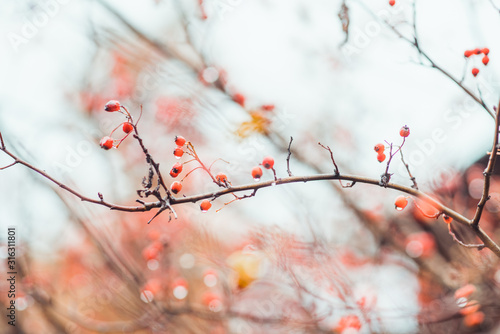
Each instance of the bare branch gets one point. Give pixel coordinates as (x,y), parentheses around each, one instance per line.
(487,172)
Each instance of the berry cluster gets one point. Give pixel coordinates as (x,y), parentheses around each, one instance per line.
(380,148)
(469,308)
(485,60)
(107,142)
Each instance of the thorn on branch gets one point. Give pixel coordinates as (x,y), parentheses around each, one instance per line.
(100,197)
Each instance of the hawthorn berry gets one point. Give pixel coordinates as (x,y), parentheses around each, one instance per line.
(178,152)
(468,53)
(268,107)
(179,140)
(472,306)
(400,203)
(381,157)
(256,173)
(447,219)
(392,2)
(486,60)
(379,148)
(405,131)
(474,319)
(205,205)
(475,71)
(239,98)
(177,168)
(477,51)
(176,187)
(112,106)
(106,142)
(485,51)
(221,178)
(465,291)
(347,322)
(268,162)
(127,127)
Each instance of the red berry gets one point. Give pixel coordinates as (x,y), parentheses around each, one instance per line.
(447,219)
(239,98)
(256,173)
(475,71)
(465,291)
(268,107)
(112,106)
(486,60)
(392,2)
(176,187)
(177,168)
(205,205)
(380,157)
(268,162)
(400,203)
(477,51)
(472,306)
(349,321)
(379,148)
(178,152)
(474,319)
(179,140)
(405,131)
(127,127)
(468,53)
(485,51)
(221,178)
(106,142)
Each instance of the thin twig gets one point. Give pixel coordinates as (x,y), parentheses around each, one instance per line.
(478,246)
(488,172)
(336,170)
(288,157)
(412,178)
(10,165)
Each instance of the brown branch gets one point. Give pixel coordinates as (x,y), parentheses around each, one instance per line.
(487,172)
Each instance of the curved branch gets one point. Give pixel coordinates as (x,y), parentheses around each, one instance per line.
(489,243)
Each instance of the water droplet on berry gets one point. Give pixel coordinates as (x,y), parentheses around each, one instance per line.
(399,208)
(256,179)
